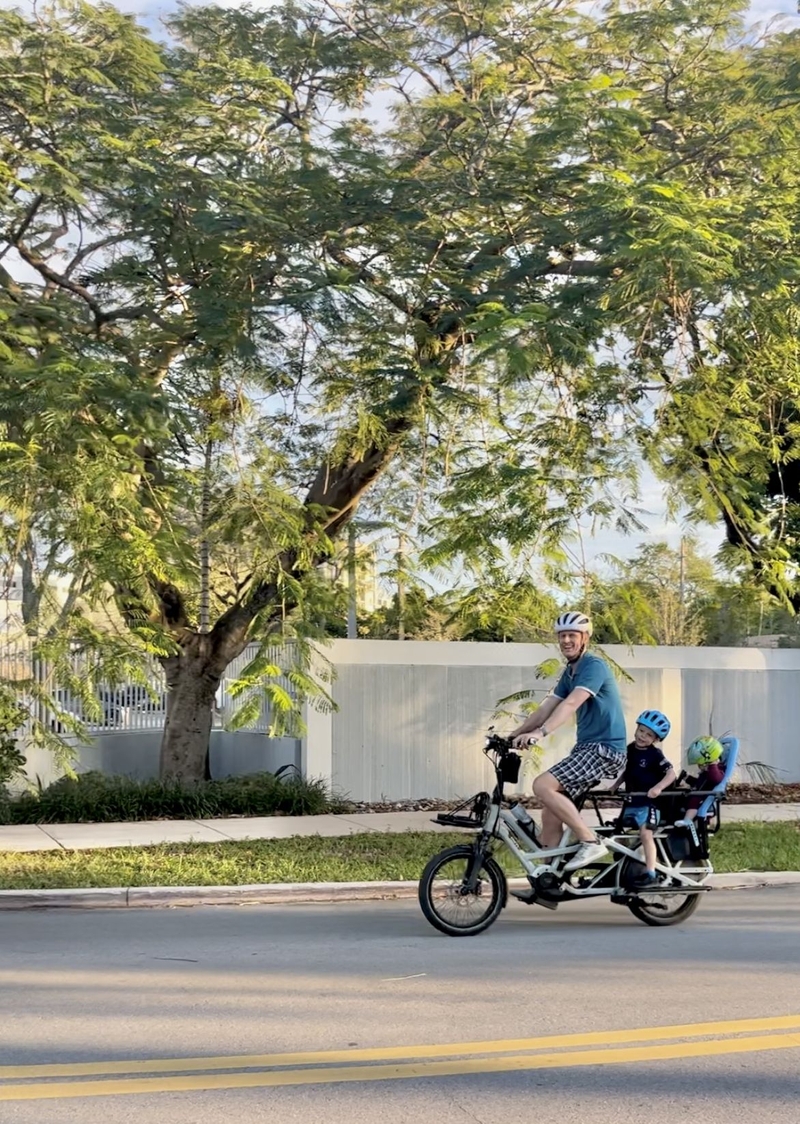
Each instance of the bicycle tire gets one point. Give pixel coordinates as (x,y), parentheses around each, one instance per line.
(490,873)
(660,920)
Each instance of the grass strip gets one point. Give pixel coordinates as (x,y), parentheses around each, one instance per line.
(353,858)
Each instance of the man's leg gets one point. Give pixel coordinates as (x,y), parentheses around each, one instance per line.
(552,829)
(555,801)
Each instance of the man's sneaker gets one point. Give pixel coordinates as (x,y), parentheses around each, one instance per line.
(586,854)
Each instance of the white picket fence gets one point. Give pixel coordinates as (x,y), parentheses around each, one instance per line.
(128,707)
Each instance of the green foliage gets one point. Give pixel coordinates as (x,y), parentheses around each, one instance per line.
(726,437)
(12,717)
(656,597)
(365,857)
(505,610)
(675,597)
(246,298)
(424,617)
(95,798)
(283,689)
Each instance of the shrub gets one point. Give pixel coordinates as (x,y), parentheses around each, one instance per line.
(12,717)
(96,798)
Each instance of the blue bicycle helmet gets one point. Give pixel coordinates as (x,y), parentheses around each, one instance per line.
(656,721)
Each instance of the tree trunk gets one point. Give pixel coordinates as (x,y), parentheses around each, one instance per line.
(192,681)
(194,675)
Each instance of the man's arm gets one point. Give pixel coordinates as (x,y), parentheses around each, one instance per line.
(557,714)
(566,708)
(615,786)
(539,716)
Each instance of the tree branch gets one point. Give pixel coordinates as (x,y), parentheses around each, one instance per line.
(92,248)
(101,316)
(341,257)
(330,503)
(22,230)
(55,278)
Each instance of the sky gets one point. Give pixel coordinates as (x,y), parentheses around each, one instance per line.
(659,526)
(151,11)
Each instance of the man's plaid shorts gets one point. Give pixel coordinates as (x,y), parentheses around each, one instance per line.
(589,763)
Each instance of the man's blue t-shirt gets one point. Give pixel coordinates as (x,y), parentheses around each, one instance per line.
(600,719)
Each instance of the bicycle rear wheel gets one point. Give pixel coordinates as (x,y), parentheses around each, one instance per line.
(447,903)
(660,910)
(669,909)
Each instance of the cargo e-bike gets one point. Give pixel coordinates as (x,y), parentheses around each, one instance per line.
(463,889)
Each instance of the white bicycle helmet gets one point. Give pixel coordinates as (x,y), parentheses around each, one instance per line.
(573,622)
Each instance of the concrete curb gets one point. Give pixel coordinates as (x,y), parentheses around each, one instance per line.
(149,896)
(297,893)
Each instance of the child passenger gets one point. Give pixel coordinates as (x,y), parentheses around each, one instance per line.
(647,773)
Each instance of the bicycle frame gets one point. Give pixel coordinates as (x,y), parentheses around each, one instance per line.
(535,861)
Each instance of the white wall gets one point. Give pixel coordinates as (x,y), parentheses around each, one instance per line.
(411,715)
(135,753)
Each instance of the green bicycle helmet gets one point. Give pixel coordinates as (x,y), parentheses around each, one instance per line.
(704,751)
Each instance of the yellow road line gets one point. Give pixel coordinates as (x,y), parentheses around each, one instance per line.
(410,1070)
(390,1053)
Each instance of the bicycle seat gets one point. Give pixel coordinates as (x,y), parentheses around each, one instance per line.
(728,760)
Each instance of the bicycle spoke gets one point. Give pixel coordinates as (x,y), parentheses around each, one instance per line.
(451,903)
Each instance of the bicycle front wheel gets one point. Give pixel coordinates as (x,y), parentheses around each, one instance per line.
(447,902)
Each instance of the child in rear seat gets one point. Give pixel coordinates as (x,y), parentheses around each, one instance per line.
(706,753)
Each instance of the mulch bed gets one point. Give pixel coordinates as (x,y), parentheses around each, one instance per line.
(763,794)
(737,794)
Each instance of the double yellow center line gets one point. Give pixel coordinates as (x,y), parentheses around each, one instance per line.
(35,1082)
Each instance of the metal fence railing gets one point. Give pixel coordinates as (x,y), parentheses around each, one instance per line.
(126,706)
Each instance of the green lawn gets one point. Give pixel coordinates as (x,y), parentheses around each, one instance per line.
(353,858)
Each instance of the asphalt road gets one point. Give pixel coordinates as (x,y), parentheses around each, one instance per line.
(101,999)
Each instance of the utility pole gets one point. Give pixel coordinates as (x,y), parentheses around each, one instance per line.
(401,587)
(352,591)
(205,547)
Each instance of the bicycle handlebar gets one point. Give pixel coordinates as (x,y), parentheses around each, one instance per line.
(498,744)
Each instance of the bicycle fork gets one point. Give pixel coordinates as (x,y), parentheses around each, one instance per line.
(475,864)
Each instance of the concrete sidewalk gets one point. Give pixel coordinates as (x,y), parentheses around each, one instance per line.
(88,836)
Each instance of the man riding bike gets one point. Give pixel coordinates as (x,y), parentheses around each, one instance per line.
(587,688)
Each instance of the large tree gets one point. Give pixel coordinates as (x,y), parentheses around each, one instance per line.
(245,269)
(726,428)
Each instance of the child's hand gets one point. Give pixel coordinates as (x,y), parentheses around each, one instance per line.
(654,792)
